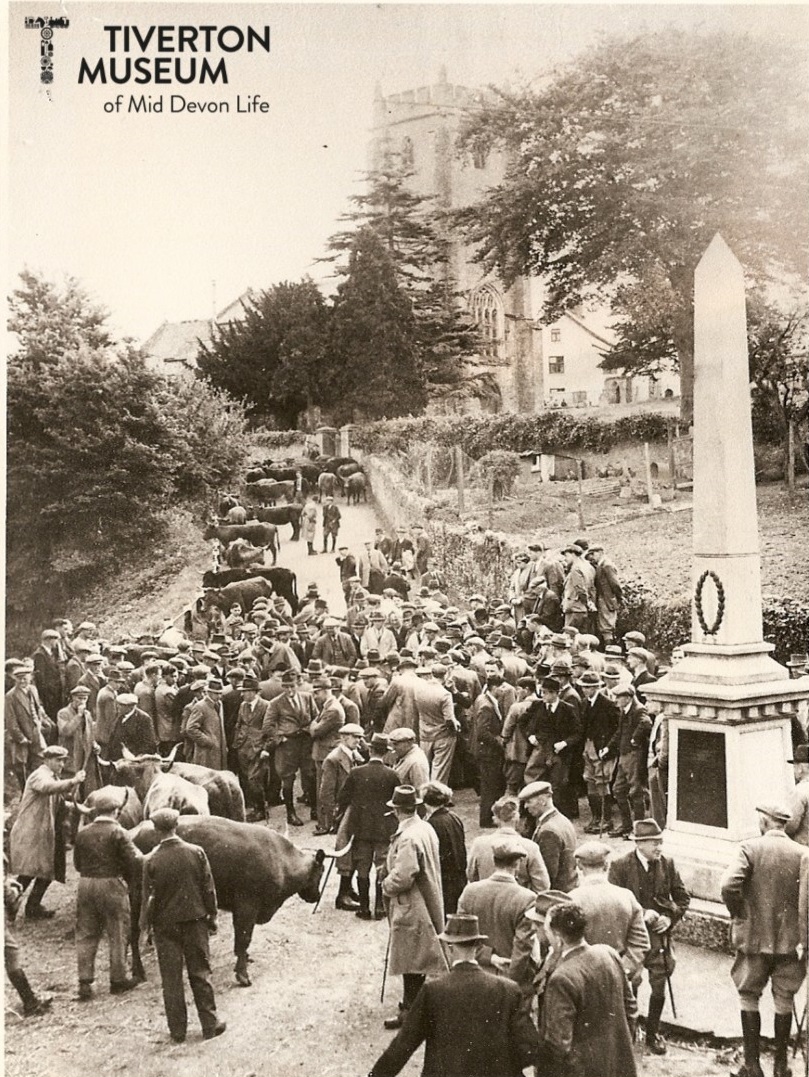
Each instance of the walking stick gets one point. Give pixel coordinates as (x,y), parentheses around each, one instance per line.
(799,1030)
(666,945)
(385,971)
(323,887)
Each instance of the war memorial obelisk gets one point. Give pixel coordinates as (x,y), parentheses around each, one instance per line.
(728,703)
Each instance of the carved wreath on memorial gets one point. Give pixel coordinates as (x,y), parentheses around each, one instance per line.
(710,630)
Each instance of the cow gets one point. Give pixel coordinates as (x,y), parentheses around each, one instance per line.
(245,592)
(240,553)
(356,485)
(336,462)
(260,534)
(283,581)
(326,484)
(130,808)
(254,869)
(281,514)
(172,791)
(236,514)
(268,490)
(226,503)
(225,796)
(255,474)
(345,470)
(289,471)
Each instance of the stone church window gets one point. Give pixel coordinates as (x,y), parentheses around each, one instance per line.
(487,312)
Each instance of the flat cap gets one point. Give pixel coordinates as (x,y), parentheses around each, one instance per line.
(402,733)
(534,789)
(592,853)
(779,812)
(165,819)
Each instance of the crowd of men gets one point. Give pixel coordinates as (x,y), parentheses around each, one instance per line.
(380,712)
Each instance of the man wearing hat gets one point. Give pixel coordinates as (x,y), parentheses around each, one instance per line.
(75,668)
(75,726)
(630,743)
(798,825)
(205,729)
(637,659)
(28,727)
(37,841)
(372,568)
(575,596)
(179,904)
(764,890)
(588,1007)
(133,729)
(49,672)
(286,728)
(500,904)
(608,592)
(614,916)
(412,884)
(377,637)
(656,883)
(471,1023)
(410,762)
(599,717)
(554,731)
(449,828)
(167,714)
(106,712)
(93,678)
(362,803)
(334,647)
(247,745)
(531,871)
(108,863)
(554,834)
(325,733)
(333,774)
(438,726)
(400,702)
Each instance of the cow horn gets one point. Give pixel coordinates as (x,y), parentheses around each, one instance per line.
(82,808)
(127,755)
(339,852)
(168,762)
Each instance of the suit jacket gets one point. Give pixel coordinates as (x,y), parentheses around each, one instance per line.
(76,735)
(486,731)
(632,734)
(413,768)
(435,710)
(26,722)
(288,716)
(136,734)
(177,885)
(761,889)
(247,736)
(324,729)
(556,838)
(500,904)
(167,720)
(576,591)
(474,1025)
(205,729)
(336,768)
(531,870)
(587,1006)
(614,918)
(600,722)
(49,680)
(366,791)
(95,684)
(340,651)
(661,888)
(106,715)
(400,703)
(608,589)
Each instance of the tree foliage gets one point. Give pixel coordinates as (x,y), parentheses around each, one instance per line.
(275,357)
(624,166)
(99,446)
(373,339)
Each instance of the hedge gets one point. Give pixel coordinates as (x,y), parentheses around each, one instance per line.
(555,430)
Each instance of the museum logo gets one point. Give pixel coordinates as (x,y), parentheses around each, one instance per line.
(46,26)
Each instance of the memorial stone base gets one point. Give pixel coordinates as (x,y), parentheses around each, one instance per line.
(729,718)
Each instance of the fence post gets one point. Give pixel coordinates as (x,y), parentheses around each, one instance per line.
(459,465)
(791,456)
(672,460)
(647,460)
(580,498)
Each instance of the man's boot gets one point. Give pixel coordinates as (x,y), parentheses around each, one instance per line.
(379,903)
(594,826)
(344,900)
(654,1043)
(364,887)
(31,1005)
(783,1026)
(292,815)
(624,828)
(751,1033)
(312,552)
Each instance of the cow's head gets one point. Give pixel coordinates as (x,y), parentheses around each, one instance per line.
(310,890)
(139,771)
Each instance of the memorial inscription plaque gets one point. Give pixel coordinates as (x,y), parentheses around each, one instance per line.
(702,778)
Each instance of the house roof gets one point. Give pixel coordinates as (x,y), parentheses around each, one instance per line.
(178,342)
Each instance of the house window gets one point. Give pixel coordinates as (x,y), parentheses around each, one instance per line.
(556,334)
(487,313)
(556,364)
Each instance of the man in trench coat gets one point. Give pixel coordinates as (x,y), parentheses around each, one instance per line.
(37,840)
(412,885)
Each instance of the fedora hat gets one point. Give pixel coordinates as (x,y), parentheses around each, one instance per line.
(379,742)
(462,927)
(544,902)
(644,829)
(404,796)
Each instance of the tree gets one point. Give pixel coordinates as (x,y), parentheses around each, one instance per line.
(414,232)
(626,164)
(373,341)
(275,358)
(49,320)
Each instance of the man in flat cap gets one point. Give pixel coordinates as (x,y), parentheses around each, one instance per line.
(179,905)
(630,743)
(654,880)
(765,893)
(410,761)
(133,729)
(286,729)
(554,834)
(334,771)
(608,592)
(75,726)
(500,904)
(575,597)
(49,672)
(37,840)
(471,1023)
(108,864)
(28,726)
(247,742)
(325,733)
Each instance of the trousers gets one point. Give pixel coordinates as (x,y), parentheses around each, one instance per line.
(440,753)
(185,944)
(102,908)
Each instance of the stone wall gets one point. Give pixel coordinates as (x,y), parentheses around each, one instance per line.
(467,561)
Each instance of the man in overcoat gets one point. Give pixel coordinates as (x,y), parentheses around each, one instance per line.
(449,827)
(49,672)
(247,746)
(765,893)
(286,728)
(412,885)
(37,841)
(334,772)
(472,1024)
(325,733)
(28,727)
(554,834)
(205,729)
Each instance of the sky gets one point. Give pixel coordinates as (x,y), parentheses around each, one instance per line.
(167,216)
